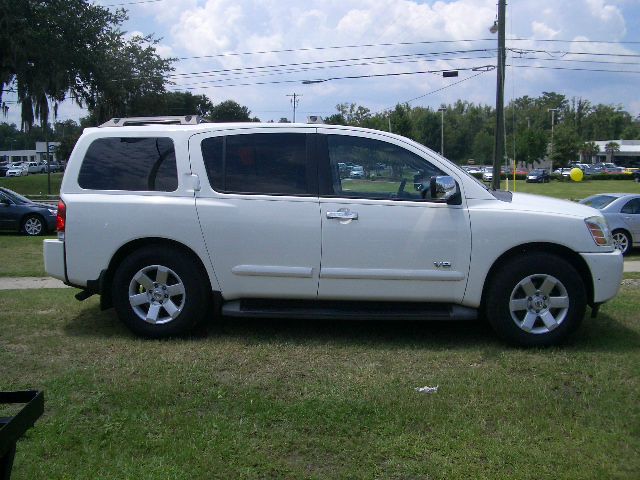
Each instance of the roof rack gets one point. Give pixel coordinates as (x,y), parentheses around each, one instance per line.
(169,120)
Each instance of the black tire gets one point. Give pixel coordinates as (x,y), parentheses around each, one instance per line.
(33,225)
(622,241)
(531,271)
(189,308)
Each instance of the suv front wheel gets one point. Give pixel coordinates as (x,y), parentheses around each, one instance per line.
(535,300)
(160,292)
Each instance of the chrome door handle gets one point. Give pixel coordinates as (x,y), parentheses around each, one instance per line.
(343,214)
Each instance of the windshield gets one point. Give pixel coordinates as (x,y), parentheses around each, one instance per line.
(16,197)
(599,201)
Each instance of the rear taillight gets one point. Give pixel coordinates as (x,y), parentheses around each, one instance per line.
(61,219)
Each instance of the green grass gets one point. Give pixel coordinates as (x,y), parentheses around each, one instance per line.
(574,190)
(33,185)
(292,399)
(21,256)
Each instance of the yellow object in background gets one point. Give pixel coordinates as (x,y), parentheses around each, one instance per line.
(576,174)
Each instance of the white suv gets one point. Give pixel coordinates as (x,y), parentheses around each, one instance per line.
(171,220)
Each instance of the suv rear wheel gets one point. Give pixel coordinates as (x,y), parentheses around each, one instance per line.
(160,292)
(536,300)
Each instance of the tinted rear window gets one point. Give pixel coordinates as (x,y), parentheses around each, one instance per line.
(272,163)
(132,164)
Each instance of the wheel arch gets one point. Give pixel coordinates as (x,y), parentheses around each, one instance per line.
(550,248)
(106,278)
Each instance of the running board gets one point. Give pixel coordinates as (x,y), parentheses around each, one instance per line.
(314,309)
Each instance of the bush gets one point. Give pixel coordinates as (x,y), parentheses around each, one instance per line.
(609,176)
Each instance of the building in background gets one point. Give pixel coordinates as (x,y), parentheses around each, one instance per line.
(37,155)
(628,156)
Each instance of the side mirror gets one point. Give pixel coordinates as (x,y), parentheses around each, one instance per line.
(444,189)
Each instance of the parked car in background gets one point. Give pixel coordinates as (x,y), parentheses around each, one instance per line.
(636,176)
(622,211)
(614,170)
(18,213)
(17,170)
(3,169)
(565,172)
(36,167)
(54,167)
(586,168)
(539,175)
(357,172)
(487,174)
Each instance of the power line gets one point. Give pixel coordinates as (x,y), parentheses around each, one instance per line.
(554,40)
(325,62)
(575,69)
(346,77)
(128,3)
(447,86)
(565,53)
(325,67)
(369,45)
(335,47)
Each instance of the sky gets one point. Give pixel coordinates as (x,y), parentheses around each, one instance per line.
(553,46)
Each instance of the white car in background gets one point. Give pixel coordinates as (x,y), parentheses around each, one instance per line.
(18,170)
(487,174)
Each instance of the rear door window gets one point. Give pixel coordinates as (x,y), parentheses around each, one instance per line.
(130,164)
(260,163)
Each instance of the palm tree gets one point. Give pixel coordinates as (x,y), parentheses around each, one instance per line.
(588,150)
(611,148)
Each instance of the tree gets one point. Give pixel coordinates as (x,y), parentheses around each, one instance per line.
(566,145)
(49,49)
(57,49)
(130,71)
(588,150)
(483,145)
(611,148)
(230,111)
(400,120)
(531,145)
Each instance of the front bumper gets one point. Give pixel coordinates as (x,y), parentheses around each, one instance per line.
(606,271)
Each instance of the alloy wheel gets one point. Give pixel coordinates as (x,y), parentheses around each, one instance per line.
(539,303)
(157,294)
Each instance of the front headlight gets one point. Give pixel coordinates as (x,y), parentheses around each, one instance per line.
(599,230)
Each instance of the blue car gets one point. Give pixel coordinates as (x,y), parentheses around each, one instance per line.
(18,213)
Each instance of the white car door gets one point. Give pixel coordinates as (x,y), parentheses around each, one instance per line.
(259,210)
(381,240)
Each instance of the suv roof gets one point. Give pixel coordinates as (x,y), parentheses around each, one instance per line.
(167,120)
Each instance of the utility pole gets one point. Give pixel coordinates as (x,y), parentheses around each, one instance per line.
(294,101)
(46,146)
(442,110)
(553,121)
(499,140)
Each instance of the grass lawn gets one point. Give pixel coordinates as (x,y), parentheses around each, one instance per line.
(574,190)
(283,399)
(32,185)
(21,256)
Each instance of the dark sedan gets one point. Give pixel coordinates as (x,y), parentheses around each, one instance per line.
(538,176)
(20,214)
